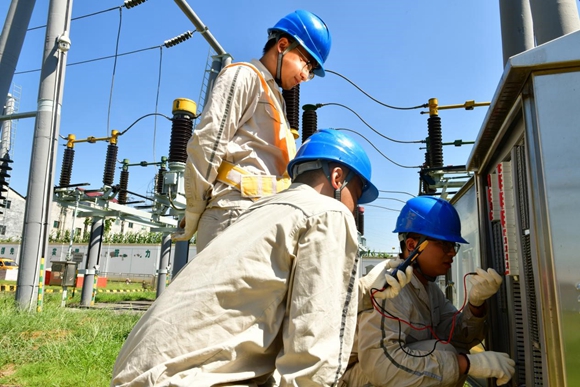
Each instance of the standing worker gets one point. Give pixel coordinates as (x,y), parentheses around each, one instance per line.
(418,338)
(239,151)
(280,298)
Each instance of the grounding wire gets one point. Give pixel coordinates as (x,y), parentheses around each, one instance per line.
(377,149)
(367,124)
(114,69)
(374,99)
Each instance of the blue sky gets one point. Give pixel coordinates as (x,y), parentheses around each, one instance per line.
(400,52)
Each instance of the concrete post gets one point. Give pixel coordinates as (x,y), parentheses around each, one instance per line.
(517,30)
(554,18)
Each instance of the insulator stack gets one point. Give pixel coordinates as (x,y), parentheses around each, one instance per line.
(181,129)
(66,169)
(133,3)
(4,168)
(309,123)
(360,220)
(435,143)
(178,39)
(159,181)
(292,99)
(109,174)
(123,185)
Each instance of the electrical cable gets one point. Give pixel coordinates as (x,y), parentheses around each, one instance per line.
(419,326)
(401,192)
(399,200)
(377,149)
(114,69)
(385,208)
(157,99)
(374,99)
(77,18)
(370,127)
(140,118)
(92,60)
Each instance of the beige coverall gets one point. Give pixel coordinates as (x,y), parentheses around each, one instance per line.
(382,362)
(275,291)
(243,123)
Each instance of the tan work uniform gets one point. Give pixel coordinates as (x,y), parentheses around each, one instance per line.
(275,291)
(243,125)
(382,361)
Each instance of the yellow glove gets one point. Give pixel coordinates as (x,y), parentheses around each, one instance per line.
(187,227)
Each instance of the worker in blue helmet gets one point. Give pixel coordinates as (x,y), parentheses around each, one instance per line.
(418,337)
(240,148)
(273,294)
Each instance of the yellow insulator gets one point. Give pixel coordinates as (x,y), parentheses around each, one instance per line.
(295,133)
(184,105)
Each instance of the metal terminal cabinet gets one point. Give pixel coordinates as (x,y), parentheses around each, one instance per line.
(64,273)
(527,182)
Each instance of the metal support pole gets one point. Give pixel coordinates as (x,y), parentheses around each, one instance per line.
(7,128)
(199,26)
(180,257)
(163,264)
(92,266)
(11,41)
(44,149)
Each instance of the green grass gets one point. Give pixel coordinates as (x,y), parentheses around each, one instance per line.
(62,346)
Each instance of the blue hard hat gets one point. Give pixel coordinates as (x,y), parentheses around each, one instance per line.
(432,217)
(332,145)
(310,31)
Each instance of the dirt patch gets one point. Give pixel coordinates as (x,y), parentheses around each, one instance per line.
(7,370)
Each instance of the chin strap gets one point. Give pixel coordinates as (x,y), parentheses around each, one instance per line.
(337,191)
(278,77)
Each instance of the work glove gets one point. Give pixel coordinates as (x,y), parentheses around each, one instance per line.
(491,364)
(394,287)
(187,227)
(483,285)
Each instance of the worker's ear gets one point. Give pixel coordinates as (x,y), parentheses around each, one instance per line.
(282,44)
(411,244)
(337,176)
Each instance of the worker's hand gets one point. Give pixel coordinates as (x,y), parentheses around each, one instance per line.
(394,287)
(187,227)
(491,364)
(483,285)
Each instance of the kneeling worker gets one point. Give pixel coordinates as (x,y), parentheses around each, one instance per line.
(276,291)
(418,338)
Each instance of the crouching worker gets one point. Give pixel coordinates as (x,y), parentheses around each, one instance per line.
(275,292)
(418,338)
